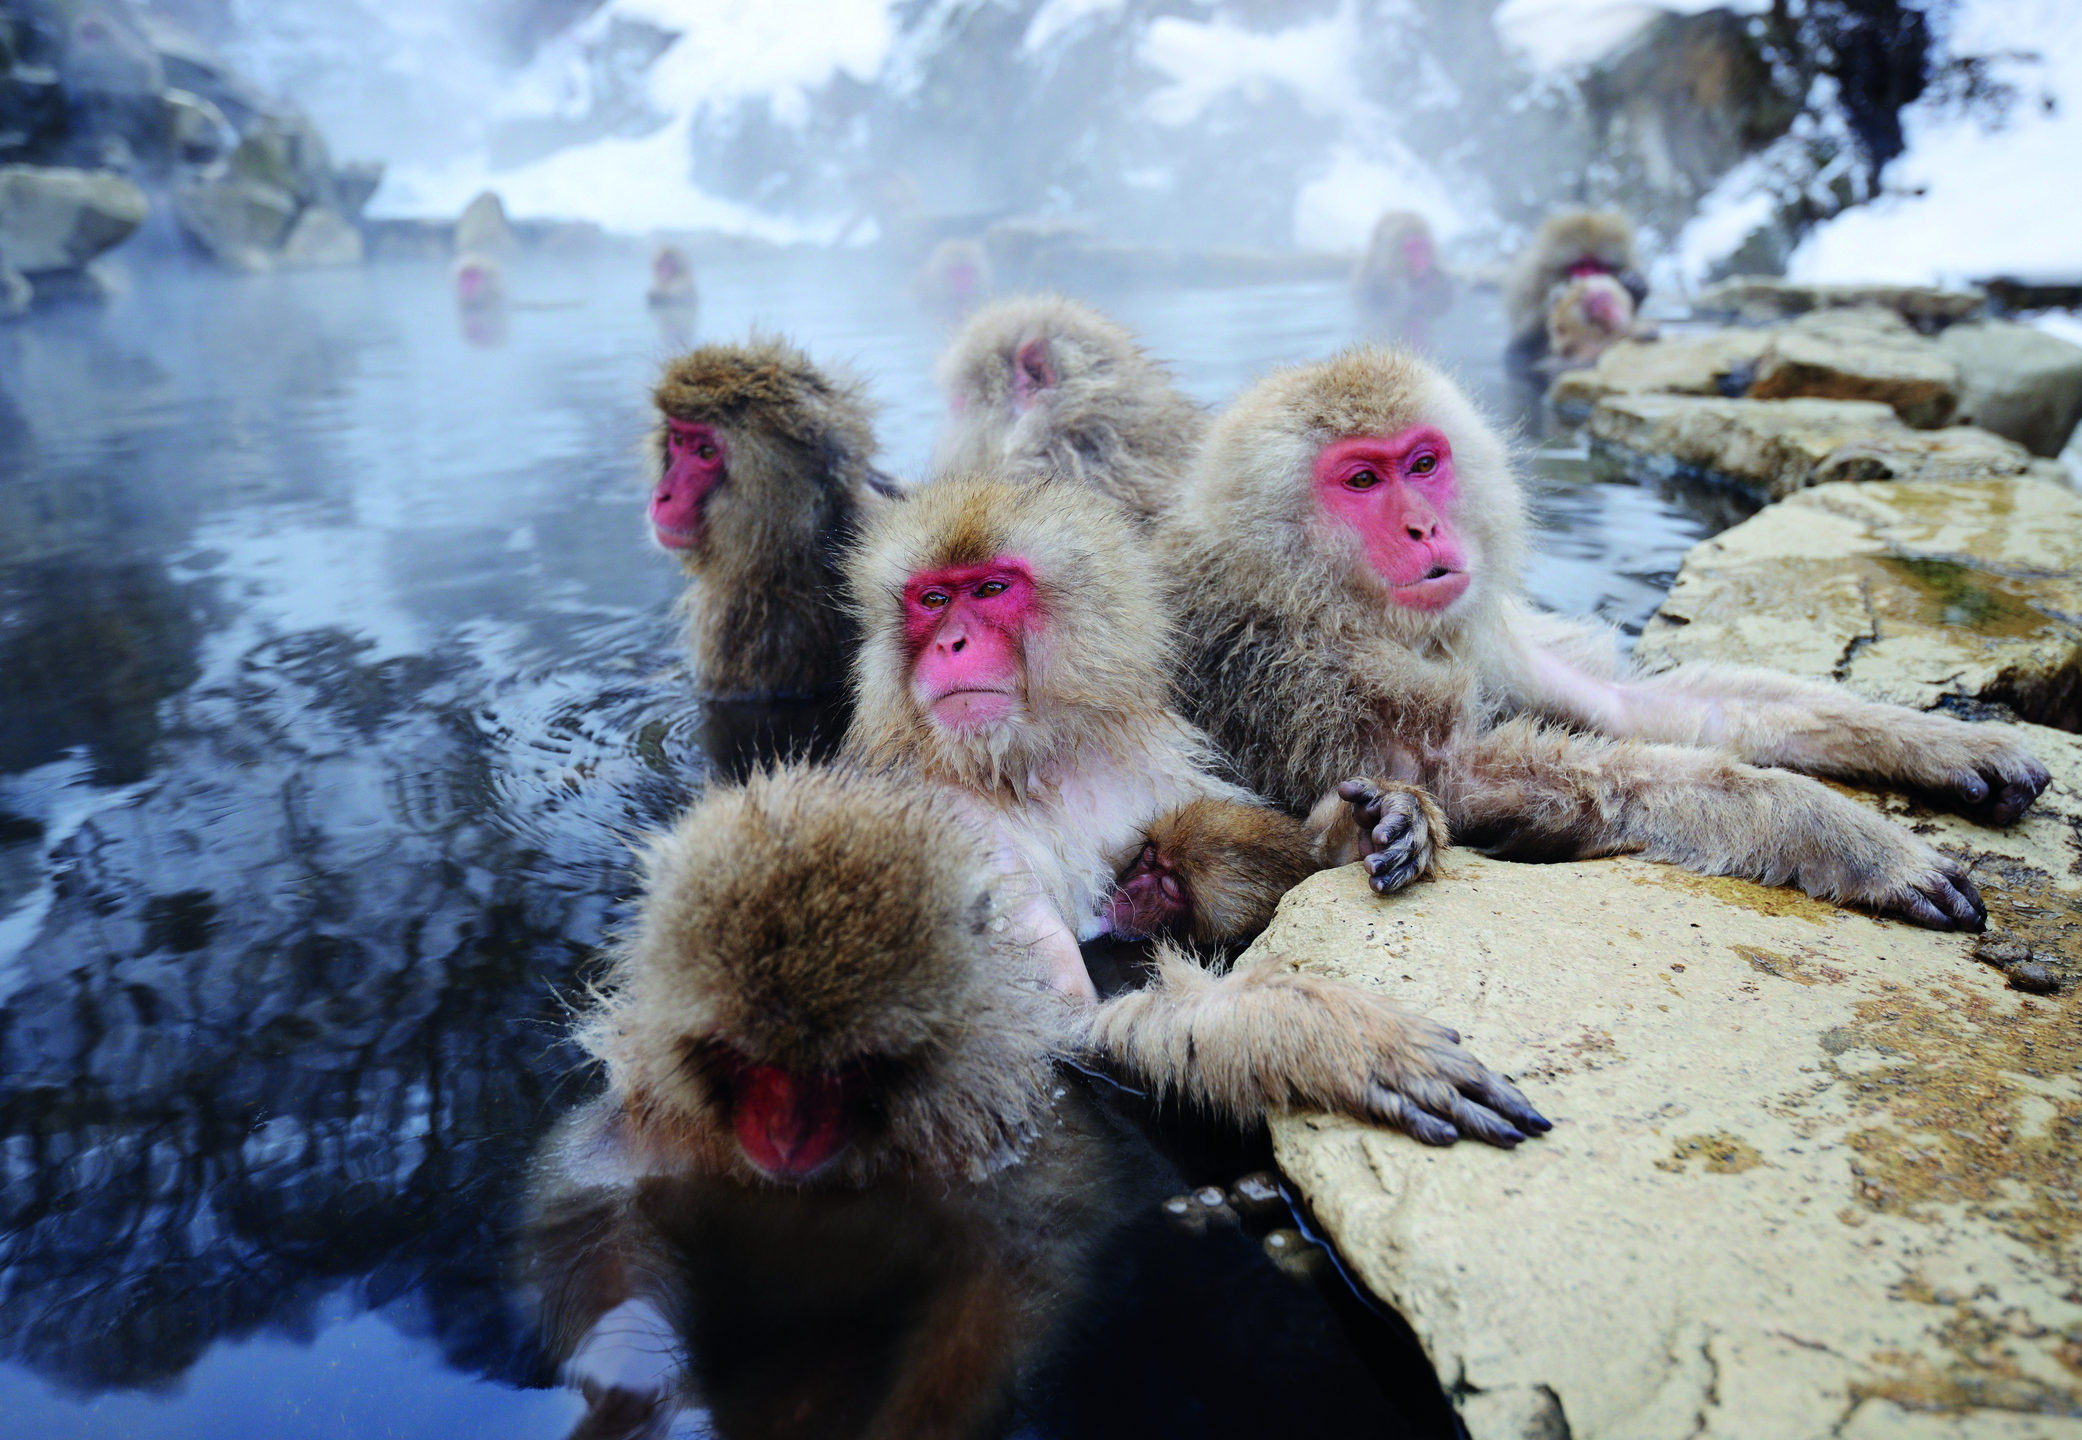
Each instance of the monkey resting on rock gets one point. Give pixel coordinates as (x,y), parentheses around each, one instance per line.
(1346,555)
(832,1098)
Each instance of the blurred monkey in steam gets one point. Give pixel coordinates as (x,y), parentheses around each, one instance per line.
(1573,291)
(954,279)
(479,281)
(1399,282)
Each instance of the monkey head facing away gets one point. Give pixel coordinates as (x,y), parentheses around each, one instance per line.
(818,990)
(1041,387)
(762,468)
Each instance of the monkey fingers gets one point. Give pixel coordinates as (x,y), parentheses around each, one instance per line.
(1400,830)
(1943,899)
(2000,792)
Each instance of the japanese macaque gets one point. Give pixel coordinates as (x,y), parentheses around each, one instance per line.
(1571,245)
(480,298)
(954,279)
(1015,659)
(1588,314)
(1347,556)
(672,279)
(762,475)
(1399,282)
(835,1186)
(1041,387)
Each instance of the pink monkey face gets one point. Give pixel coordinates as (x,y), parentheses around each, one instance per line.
(1416,254)
(695,457)
(1397,492)
(966,629)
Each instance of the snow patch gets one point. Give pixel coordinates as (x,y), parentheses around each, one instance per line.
(1966,202)
(1337,211)
(1565,34)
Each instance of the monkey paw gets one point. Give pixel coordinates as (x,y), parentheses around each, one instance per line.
(1400,831)
(1936,895)
(1442,1093)
(1148,899)
(2004,781)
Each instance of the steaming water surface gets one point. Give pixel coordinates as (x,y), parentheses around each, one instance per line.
(334,671)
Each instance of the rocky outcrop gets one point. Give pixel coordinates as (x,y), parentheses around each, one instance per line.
(1917,594)
(1765,450)
(1811,1173)
(2017,381)
(1756,300)
(1863,353)
(2008,379)
(59,219)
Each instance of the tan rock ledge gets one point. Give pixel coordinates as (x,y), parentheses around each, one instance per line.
(1812,1174)
(1766,450)
(1907,593)
(1860,354)
(1755,299)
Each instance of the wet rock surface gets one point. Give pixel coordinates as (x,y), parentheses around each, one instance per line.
(1756,299)
(2009,380)
(1812,1173)
(1766,450)
(1917,594)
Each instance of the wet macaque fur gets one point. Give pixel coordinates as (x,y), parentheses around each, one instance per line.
(762,473)
(1569,245)
(1041,388)
(1015,661)
(832,1108)
(1588,314)
(1347,555)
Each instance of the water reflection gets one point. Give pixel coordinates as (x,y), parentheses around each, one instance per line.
(336,673)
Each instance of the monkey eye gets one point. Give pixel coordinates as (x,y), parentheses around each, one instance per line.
(989,588)
(707,451)
(933,599)
(1364,480)
(1424,464)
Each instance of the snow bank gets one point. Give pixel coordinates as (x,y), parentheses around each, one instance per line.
(1564,34)
(1966,201)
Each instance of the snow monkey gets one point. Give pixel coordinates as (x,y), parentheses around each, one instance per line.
(832,1102)
(836,1185)
(1041,387)
(1398,281)
(1550,313)
(762,476)
(954,279)
(1347,553)
(1015,658)
(672,278)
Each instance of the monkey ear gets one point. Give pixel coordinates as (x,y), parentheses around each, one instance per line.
(1033,370)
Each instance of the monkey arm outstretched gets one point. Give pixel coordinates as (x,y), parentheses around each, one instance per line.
(1247,1044)
(1527,792)
(1766,718)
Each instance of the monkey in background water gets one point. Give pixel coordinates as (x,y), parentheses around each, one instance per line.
(1347,554)
(1573,291)
(1399,283)
(1040,387)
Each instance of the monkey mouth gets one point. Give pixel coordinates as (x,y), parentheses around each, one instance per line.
(673,539)
(969,709)
(1440,587)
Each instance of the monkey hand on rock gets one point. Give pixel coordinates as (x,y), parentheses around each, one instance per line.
(1927,887)
(1252,1042)
(1401,830)
(1988,777)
